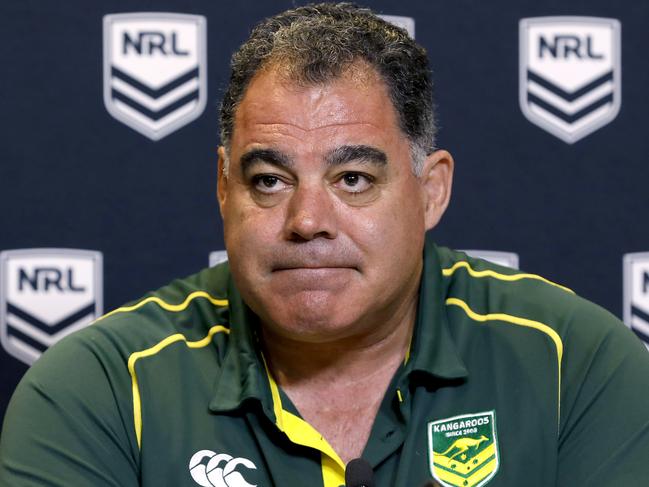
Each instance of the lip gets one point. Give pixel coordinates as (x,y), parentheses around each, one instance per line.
(307,268)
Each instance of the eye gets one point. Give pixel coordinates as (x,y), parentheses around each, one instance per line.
(268,183)
(354,182)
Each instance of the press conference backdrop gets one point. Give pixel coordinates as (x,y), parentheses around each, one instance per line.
(109,134)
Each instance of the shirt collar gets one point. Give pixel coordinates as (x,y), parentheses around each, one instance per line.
(433,350)
(242,375)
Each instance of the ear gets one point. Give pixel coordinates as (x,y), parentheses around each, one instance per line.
(222,179)
(437,180)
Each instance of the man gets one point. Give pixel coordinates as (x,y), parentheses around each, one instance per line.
(337,330)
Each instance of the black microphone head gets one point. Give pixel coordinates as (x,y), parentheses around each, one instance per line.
(358,473)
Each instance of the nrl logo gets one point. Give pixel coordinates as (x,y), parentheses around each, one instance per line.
(463,450)
(46,295)
(155,70)
(570,74)
(636,294)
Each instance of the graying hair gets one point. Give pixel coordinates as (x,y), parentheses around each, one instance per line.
(318,43)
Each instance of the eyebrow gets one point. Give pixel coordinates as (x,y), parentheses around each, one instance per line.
(268,156)
(348,153)
(338,156)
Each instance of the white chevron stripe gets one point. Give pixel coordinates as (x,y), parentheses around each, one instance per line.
(163,122)
(25,350)
(570,108)
(152,103)
(42,337)
(569,128)
(639,324)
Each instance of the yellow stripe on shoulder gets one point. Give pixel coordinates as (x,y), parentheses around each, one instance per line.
(517,320)
(497,275)
(175,308)
(134,357)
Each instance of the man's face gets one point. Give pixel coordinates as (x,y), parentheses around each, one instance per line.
(324,220)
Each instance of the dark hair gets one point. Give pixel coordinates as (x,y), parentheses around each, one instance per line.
(318,42)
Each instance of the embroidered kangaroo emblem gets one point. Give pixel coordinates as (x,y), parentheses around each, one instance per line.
(463,444)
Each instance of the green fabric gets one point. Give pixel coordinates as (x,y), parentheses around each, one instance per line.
(71,420)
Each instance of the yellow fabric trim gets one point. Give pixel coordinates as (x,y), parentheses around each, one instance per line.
(274,392)
(497,275)
(168,306)
(332,475)
(399,395)
(134,357)
(407,357)
(517,320)
(302,433)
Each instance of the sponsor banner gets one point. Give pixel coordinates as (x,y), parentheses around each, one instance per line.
(155,70)
(45,295)
(570,74)
(636,294)
(463,450)
(506,259)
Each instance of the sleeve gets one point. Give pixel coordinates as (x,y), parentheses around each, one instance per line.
(604,427)
(68,421)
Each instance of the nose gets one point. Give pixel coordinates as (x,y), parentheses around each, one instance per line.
(310,214)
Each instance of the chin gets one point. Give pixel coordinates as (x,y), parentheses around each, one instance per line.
(316,317)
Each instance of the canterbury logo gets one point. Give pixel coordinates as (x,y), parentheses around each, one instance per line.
(210,469)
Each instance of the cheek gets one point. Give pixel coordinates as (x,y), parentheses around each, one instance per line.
(246,228)
(392,232)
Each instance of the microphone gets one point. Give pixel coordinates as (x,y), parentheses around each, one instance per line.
(358,473)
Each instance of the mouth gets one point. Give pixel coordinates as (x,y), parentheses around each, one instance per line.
(314,260)
(314,268)
(313,278)
(293,267)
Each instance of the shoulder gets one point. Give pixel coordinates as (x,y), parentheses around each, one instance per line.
(189,309)
(87,379)
(497,291)
(513,304)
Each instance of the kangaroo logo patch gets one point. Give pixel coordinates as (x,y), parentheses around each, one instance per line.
(463,450)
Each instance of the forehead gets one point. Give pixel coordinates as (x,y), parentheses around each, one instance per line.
(357,102)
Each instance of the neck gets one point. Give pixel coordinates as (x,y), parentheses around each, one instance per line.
(337,386)
(343,362)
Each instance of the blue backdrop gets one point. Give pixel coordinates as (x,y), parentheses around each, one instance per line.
(72,176)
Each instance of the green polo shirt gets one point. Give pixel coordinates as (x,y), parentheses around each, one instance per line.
(510,380)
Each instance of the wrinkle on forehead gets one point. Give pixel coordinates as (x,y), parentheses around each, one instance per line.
(320,105)
(289,72)
(287,128)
